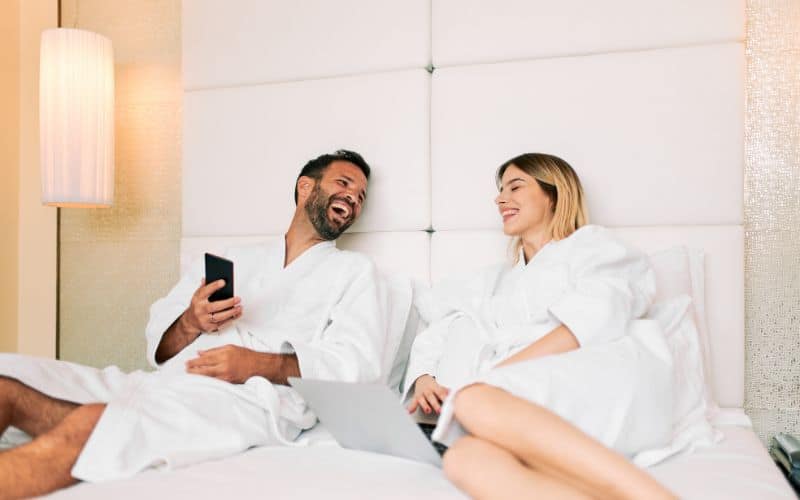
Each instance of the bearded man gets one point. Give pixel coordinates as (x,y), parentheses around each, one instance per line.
(304,309)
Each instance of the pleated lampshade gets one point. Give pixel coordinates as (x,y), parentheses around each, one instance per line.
(76,118)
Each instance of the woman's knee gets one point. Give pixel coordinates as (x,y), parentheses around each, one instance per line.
(462,459)
(472,406)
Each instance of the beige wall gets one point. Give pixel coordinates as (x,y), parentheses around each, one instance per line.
(116,262)
(37,223)
(9,160)
(28,246)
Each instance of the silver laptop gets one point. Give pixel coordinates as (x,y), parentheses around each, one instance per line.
(367,417)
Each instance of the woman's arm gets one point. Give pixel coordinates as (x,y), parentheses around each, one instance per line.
(559,340)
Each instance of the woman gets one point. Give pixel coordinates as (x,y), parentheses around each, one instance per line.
(548,366)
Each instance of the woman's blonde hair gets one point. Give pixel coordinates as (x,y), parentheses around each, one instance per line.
(561,184)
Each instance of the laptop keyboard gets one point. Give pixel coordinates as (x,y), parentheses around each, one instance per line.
(427,429)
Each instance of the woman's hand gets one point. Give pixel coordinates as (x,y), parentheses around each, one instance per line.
(428,395)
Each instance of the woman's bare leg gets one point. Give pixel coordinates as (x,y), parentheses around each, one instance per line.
(486,472)
(542,440)
(28,409)
(44,464)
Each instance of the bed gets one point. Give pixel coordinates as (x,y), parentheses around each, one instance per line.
(645,100)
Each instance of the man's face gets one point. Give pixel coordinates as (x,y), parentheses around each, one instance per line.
(336,200)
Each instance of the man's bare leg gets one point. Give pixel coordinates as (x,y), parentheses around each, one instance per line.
(486,472)
(539,439)
(28,409)
(44,464)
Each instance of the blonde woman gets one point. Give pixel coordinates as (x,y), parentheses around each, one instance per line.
(545,381)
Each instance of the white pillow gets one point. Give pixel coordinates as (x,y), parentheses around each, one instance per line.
(680,271)
(672,270)
(691,426)
(398,307)
(697,272)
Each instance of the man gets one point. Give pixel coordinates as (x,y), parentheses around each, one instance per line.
(303,308)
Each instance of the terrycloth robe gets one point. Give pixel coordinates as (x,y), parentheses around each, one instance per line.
(328,306)
(616,386)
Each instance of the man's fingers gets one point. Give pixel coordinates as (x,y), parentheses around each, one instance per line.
(220,319)
(441,392)
(207,370)
(220,316)
(199,362)
(221,326)
(223,305)
(205,291)
(212,352)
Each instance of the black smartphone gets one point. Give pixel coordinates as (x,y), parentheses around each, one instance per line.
(218,268)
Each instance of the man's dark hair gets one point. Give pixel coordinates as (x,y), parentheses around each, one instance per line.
(316,167)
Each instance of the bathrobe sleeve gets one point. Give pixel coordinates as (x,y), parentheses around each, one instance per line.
(426,352)
(610,284)
(350,348)
(166,310)
(441,306)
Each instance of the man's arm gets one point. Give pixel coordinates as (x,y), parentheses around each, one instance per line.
(174,340)
(350,348)
(201,316)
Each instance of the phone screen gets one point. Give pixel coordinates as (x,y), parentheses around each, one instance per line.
(219,268)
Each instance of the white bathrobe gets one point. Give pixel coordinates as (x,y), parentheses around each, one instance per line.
(616,386)
(328,306)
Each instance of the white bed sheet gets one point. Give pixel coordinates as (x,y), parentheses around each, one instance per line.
(738,467)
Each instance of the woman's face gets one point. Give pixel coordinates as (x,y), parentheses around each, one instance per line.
(523,205)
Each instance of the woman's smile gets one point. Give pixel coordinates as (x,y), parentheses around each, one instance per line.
(508,213)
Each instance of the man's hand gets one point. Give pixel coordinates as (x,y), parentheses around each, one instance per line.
(205,316)
(201,316)
(428,394)
(229,363)
(236,364)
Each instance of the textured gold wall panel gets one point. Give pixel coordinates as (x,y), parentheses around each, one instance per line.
(116,262)
(772,216)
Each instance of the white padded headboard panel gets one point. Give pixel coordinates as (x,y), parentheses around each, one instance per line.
(406,253)
(452,252)
(656,137)
(247,144)
(476,31)
(254,41)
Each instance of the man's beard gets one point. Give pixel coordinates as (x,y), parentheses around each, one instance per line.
(317,206)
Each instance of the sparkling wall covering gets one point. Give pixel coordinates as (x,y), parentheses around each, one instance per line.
(772,216)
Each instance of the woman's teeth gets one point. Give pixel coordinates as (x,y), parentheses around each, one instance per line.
(507,214)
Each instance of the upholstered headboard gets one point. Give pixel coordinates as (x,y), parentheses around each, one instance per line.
(643,97)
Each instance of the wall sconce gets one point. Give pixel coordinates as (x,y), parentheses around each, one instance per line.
(76,118)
